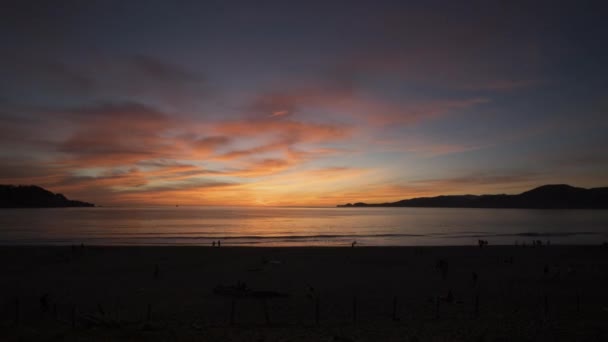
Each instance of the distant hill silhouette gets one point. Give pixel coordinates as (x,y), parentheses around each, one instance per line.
(557,196)
(31,196)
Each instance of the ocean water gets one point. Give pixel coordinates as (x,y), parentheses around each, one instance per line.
(299,226)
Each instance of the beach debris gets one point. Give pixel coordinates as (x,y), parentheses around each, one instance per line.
(196,326)
(241,290)
(449,298)
(266,261)
(238,290)
(90,320)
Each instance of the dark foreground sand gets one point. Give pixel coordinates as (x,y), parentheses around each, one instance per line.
(553,293)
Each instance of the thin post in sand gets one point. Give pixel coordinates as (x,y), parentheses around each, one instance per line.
(354,309)
(477,304)
(149,313)
(17,304)
(394,315)
(437,303)
(266,313)
(232,311)
(317,304)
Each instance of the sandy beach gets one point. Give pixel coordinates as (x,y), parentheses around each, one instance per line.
(495,293)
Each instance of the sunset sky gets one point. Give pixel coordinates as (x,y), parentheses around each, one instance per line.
(307,103)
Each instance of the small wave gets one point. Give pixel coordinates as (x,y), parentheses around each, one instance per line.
(522,234)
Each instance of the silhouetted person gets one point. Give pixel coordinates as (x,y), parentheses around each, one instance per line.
(219,243)
(213,243)
(442,266)
(44,302)
(353,244)
(450,297)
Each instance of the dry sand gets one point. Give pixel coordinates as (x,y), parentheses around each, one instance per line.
(551,293)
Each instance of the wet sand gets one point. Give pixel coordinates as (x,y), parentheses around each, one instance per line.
(549,293)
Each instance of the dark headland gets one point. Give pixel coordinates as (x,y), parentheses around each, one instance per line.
(558,196)
(31,196)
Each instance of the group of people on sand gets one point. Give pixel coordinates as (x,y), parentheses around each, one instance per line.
(535,243)
(217,243)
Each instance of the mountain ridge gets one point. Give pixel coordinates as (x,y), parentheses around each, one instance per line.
(550,196)
(33,196)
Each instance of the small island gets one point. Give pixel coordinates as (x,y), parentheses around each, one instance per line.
(554,196)
(32,196)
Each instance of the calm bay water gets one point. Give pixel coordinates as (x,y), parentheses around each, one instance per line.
(299,226)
